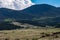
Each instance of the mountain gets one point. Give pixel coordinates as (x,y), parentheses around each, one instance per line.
(42,10)
(43,14)
(15,4)
(13,14)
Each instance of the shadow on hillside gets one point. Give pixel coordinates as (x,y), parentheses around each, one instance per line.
(8,26)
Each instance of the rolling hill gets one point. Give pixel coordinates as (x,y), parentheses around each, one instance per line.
(42,14)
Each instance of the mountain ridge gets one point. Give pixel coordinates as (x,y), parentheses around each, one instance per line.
(45,14)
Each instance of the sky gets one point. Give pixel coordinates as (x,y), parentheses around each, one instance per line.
(51,2)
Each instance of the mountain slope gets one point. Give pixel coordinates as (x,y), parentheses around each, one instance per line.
(13,14)
(42,10)
(41,14)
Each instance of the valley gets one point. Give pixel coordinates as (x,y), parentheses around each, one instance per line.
(37,22)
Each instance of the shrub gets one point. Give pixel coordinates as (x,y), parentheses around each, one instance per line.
(34,39)
(17,39)
(6,39)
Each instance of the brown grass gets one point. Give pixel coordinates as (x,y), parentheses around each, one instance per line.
(30,34)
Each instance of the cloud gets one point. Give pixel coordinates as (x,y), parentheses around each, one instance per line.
(16,4)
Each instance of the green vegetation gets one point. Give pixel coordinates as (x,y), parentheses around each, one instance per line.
(9,20)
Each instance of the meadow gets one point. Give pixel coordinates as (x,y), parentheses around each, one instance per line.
(31,34)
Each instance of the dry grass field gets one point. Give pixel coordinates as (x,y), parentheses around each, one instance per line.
(30,34)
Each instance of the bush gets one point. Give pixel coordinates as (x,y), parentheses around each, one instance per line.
(17,39)
(6,39)
(34,39)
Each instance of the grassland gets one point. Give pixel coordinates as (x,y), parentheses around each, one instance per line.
(31,34)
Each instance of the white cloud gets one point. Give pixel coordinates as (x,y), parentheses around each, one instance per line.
(15,4)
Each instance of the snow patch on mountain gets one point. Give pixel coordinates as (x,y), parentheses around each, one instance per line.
(15,4)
